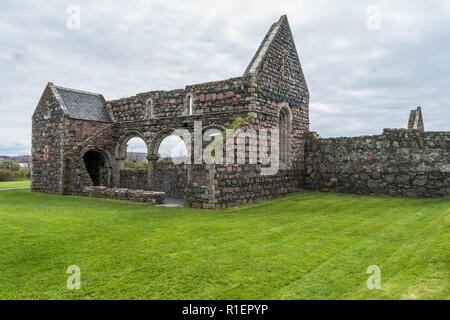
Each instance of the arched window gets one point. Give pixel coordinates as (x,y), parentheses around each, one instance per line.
(149,109)
(284,126)
(189,104)
(172,146)
(136,153)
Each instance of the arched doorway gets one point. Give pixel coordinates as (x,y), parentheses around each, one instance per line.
(96,166)
(171,175)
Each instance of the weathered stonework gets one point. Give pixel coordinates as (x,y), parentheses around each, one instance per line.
(169,178)
(85,137)
(399,162)
(123,194)
(79,141)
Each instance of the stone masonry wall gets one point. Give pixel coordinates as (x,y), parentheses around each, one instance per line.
(169,178)
(398,162)
(47,130)
(134,179)
(122,194)
(210,97)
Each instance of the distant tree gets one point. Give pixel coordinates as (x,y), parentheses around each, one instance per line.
(24,173)
(6,175)
(8,165)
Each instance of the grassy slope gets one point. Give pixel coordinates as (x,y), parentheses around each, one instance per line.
(307,245)
(14,184)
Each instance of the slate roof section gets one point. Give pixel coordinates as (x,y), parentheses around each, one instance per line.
(83,105)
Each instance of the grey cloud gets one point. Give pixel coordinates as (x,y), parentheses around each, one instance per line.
(360,80)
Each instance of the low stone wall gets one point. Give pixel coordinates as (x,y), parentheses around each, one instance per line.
(123,194)
(169,178)
(399,162)
(222,186)
(134,179)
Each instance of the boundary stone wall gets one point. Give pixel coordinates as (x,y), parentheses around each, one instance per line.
(399,162)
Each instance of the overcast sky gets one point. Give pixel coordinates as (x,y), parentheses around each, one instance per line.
(361,78)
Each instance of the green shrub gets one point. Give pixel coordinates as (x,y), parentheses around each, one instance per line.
(23,173)
(133,165)
(8,165)
(6,175)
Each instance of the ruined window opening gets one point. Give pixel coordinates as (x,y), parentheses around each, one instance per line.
(47,113)
(46,153)
(285,67)
(284,134)
(95,164)
(136,153)
(190,104)
(172,146)
(149,109)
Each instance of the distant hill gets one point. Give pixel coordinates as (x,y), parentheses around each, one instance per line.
(18,159)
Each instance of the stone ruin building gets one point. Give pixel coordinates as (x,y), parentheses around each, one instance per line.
(79,141)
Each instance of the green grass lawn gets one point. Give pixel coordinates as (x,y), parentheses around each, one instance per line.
(14,184)
(307,245)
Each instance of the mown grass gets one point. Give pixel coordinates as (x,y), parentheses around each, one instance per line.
(307,245)
(14,184)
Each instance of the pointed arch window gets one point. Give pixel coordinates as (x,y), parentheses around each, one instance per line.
(284,126)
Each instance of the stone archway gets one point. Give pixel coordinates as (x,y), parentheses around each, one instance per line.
(121,155)
(170,175)
(98,166)
(121,147)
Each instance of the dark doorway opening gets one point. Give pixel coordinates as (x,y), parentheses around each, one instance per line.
(96,167)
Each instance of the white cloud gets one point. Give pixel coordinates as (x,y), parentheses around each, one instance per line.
(360,80)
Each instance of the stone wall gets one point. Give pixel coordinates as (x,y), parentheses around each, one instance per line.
(168,178)
(122,194)
(171,178)
(222,186)
(47,139)
(134,179)
(399,162)
(210,97)
(241,184)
